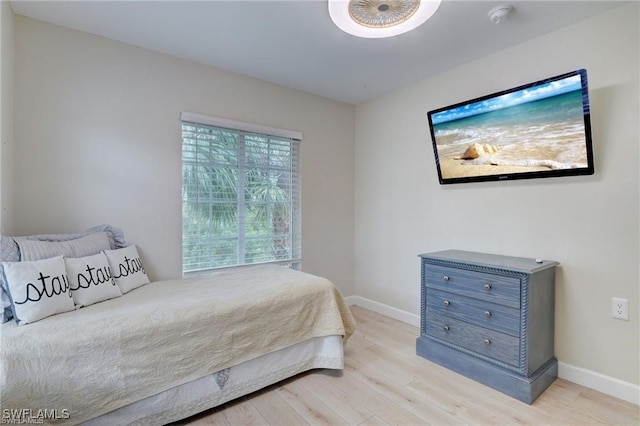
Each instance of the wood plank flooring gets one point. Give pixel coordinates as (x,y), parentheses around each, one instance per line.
(384,383)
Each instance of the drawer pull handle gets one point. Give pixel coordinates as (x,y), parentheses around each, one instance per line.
(487,342)
(447,303)
(445,328)
(446,278)
(487,314)
(487,286)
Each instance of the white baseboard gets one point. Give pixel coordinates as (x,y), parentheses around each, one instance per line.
(605,384)
(386,310)
(599,382)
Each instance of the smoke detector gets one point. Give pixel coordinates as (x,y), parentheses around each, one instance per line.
(500,13)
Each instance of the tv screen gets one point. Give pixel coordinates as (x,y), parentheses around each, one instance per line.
(540,129)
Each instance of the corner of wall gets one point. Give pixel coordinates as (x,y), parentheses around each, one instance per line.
(6,114)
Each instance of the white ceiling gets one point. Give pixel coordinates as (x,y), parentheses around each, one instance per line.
(295,44)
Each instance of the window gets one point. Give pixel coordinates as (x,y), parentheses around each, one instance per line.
(240,194)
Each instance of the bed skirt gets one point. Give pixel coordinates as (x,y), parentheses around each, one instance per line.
(210,391)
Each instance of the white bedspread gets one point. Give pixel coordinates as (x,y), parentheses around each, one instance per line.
(102,357)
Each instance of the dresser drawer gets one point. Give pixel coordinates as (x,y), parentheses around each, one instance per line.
(489,343)
(504,319)
(477,285)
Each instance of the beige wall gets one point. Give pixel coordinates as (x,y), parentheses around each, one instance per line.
(97,130)
(6,114)
(588,224)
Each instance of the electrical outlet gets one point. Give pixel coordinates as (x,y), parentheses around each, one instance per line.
(620,308)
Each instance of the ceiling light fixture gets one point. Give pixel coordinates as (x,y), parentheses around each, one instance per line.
(380,18)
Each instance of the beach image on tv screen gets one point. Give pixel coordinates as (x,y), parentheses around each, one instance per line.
(538,128)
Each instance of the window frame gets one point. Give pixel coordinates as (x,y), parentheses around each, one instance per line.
(243,129)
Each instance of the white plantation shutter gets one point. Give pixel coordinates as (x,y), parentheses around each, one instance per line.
(240,194)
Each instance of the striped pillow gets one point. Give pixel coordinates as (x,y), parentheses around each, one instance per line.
(80,247)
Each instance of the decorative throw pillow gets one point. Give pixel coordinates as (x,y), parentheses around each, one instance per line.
(38,289)
(91,280)
(79,247)
(10,252)
(127,268)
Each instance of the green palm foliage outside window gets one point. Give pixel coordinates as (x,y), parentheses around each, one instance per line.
(240,198)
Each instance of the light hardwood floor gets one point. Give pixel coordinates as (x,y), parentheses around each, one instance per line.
(384,383)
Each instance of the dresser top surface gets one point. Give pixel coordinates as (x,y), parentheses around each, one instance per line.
(521,264)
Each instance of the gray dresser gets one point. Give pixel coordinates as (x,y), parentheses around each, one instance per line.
(490,318)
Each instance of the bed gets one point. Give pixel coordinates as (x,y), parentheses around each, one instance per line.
(170,349)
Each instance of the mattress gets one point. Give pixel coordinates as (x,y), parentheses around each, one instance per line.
(223,386)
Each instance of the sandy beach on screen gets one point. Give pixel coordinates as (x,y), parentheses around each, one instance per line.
(455,168)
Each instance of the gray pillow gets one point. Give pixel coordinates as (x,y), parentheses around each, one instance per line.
(80,247)
(9,252)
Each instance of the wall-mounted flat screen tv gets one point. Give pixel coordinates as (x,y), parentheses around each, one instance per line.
(537,130)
